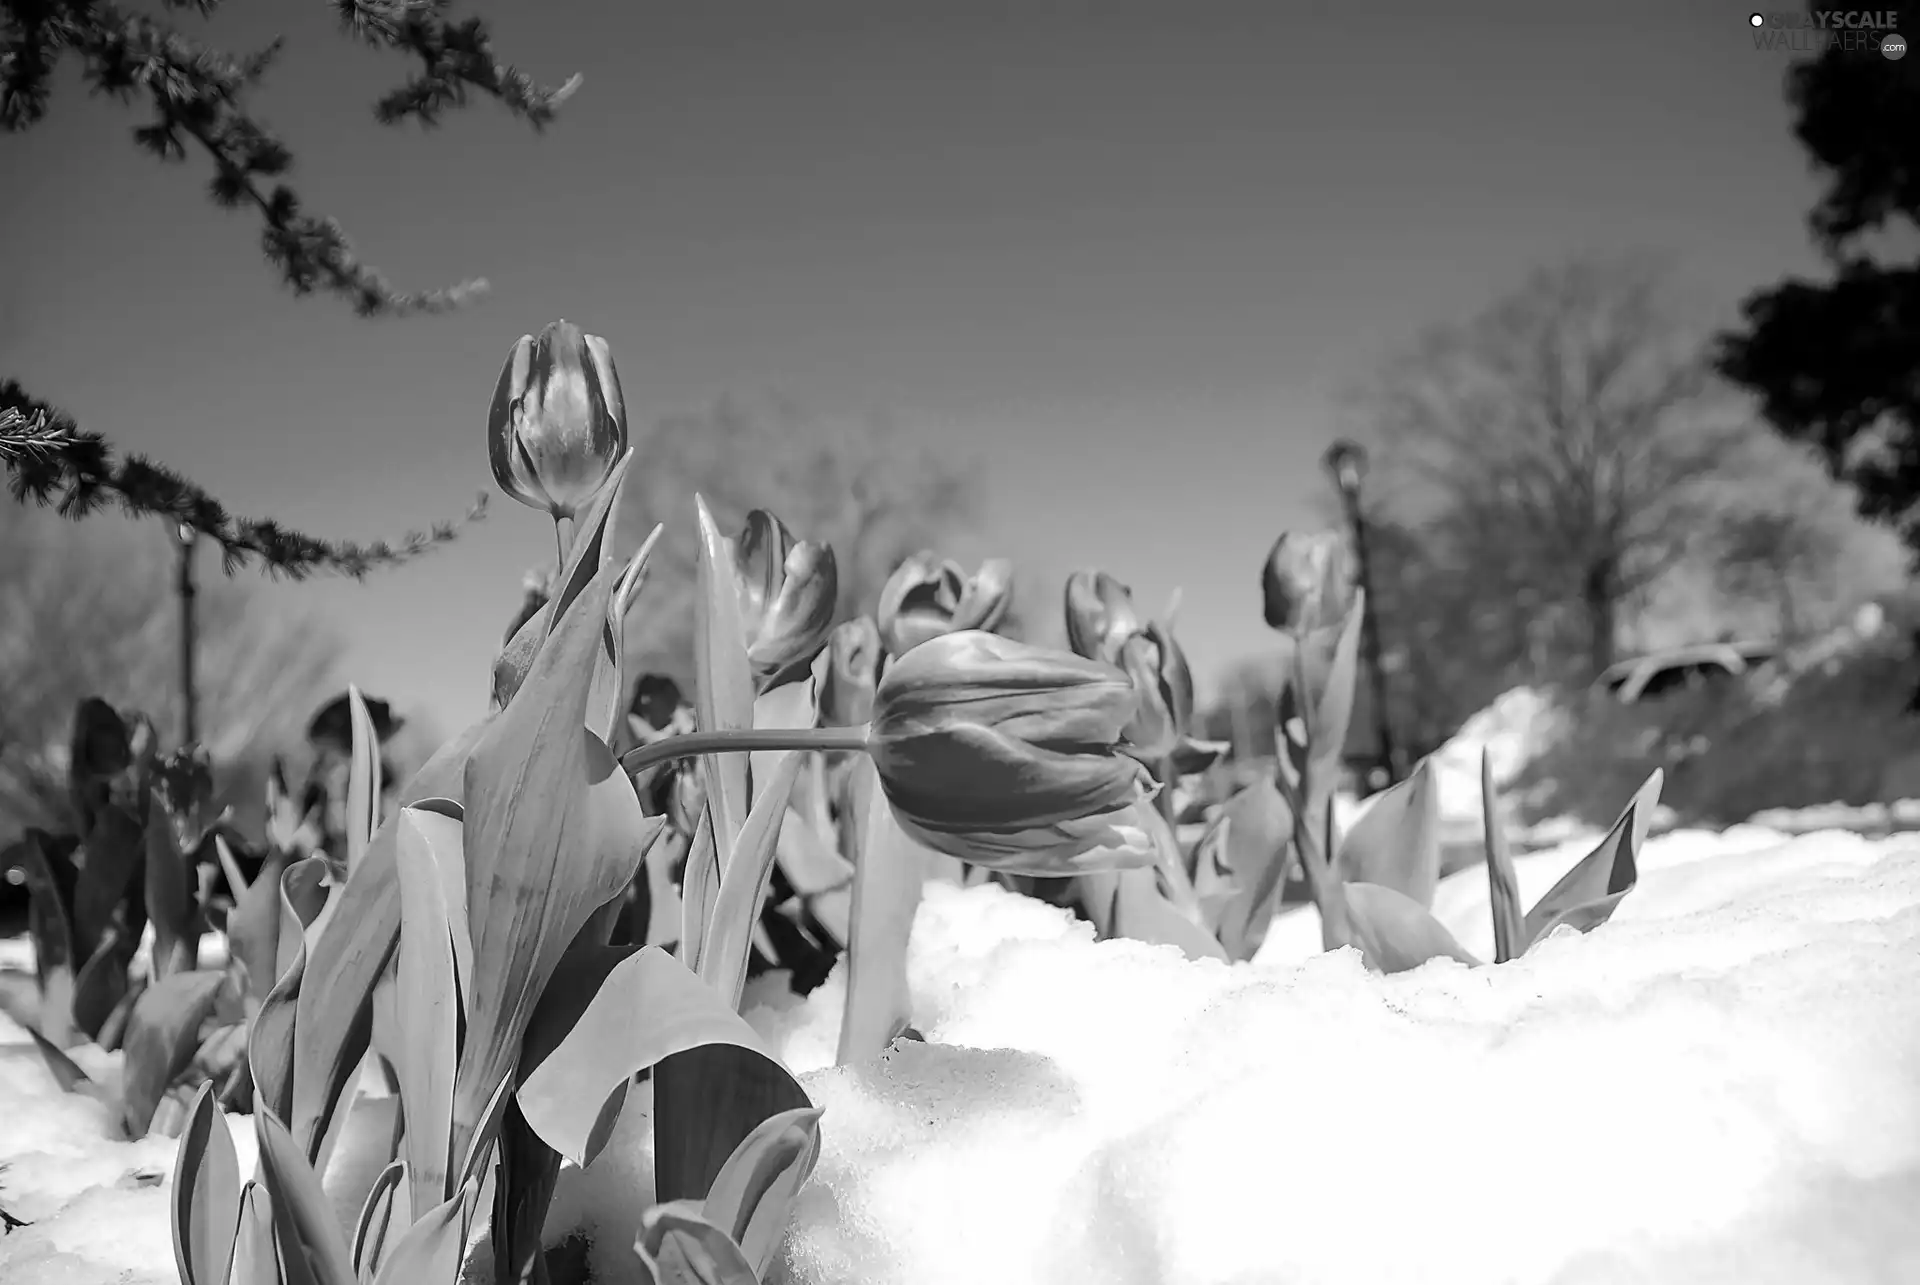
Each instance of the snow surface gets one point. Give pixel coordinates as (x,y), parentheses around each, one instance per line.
(1720,1084)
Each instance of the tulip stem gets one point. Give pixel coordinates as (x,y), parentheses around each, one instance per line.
(743,741)
(560,545)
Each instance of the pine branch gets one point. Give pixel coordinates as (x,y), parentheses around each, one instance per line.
(196,94)
(53,462)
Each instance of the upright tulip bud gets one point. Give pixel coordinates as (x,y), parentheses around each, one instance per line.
(853,669)
(1100,616)
(1010,756)
(1103,625)
(558,423)
(927,597)
(788,592)
(1307,582)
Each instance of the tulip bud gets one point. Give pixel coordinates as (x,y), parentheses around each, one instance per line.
(1009,756)
(1103,625)
(788,593)
(558,423)
(853,669)
(926,597)
(1100,616)
(1307,582)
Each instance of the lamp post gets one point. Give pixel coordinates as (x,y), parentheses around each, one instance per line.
(186,539)
(1346,463)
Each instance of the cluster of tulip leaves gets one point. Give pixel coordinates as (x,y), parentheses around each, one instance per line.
(147,854)
(470,949)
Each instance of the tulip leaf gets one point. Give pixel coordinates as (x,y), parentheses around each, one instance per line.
(708,1099)
(428,998)
(303,898)
(1586,895)
(162,1034)
(65,1071)
(1396,843)
(1394,932)
(272,1046)
(101,987)
(678,1246)
(1503,885)
(607,697)
(553,831)
(206,1194)
(699,887)
(736,906)
(253,925)
(351,951)
(608,1013)
(886,895)
(724,686)
(753,1193)
(1131,904)
(311,1242)
(386,1209)
(170,899)
(1249,849)
(363,781)
(433,1248)
(1332,707)
(254,1259)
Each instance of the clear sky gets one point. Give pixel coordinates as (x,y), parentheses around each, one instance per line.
(1128,252)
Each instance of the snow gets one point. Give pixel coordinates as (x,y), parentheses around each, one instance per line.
(1720,1084)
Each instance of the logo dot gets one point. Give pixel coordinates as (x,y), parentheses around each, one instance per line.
(1756,20)
(1893,46)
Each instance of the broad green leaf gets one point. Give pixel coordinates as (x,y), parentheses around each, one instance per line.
(1396,843)
(206,1195)
(349,954)
(706,1100)
(680,1247)
(1586,895)
(806,851)
(753,1193)
(162,1035)
(65,1071)
(724,688)
(553,831)
(1393,931)
(1503,886)
(110,857)
(736,907)
(254,1259)
(101,986)
(50,876)
(386,1215)
(1171,879)
(363,781)
(608,699)
(1246,855)
(886,895)
(253,925)
(170,899)
(609,1013)
(432,1250)
(1132,905)
(304,1225)
(303,900)
(428,999)
(790,705)
(699,890)
(1332,707)
(525,1173)
(272,1046)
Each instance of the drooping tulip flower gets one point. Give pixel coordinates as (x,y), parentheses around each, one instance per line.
(1306,582)
(853,670)
(1010,756)
(927,596)
(558,423)
(1103,625)
(788,591)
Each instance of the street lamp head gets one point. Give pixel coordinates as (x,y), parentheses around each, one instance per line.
(185,534)
(1346,462)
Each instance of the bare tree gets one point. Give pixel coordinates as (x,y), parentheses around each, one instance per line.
(860,486)
(90,611)
(1561,436)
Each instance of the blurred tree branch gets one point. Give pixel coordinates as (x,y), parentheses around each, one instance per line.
(196,94)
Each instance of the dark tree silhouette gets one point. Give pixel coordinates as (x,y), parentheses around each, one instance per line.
(1834,363)
(196,94)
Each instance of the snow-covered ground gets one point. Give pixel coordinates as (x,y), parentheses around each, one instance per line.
(1720,1084)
